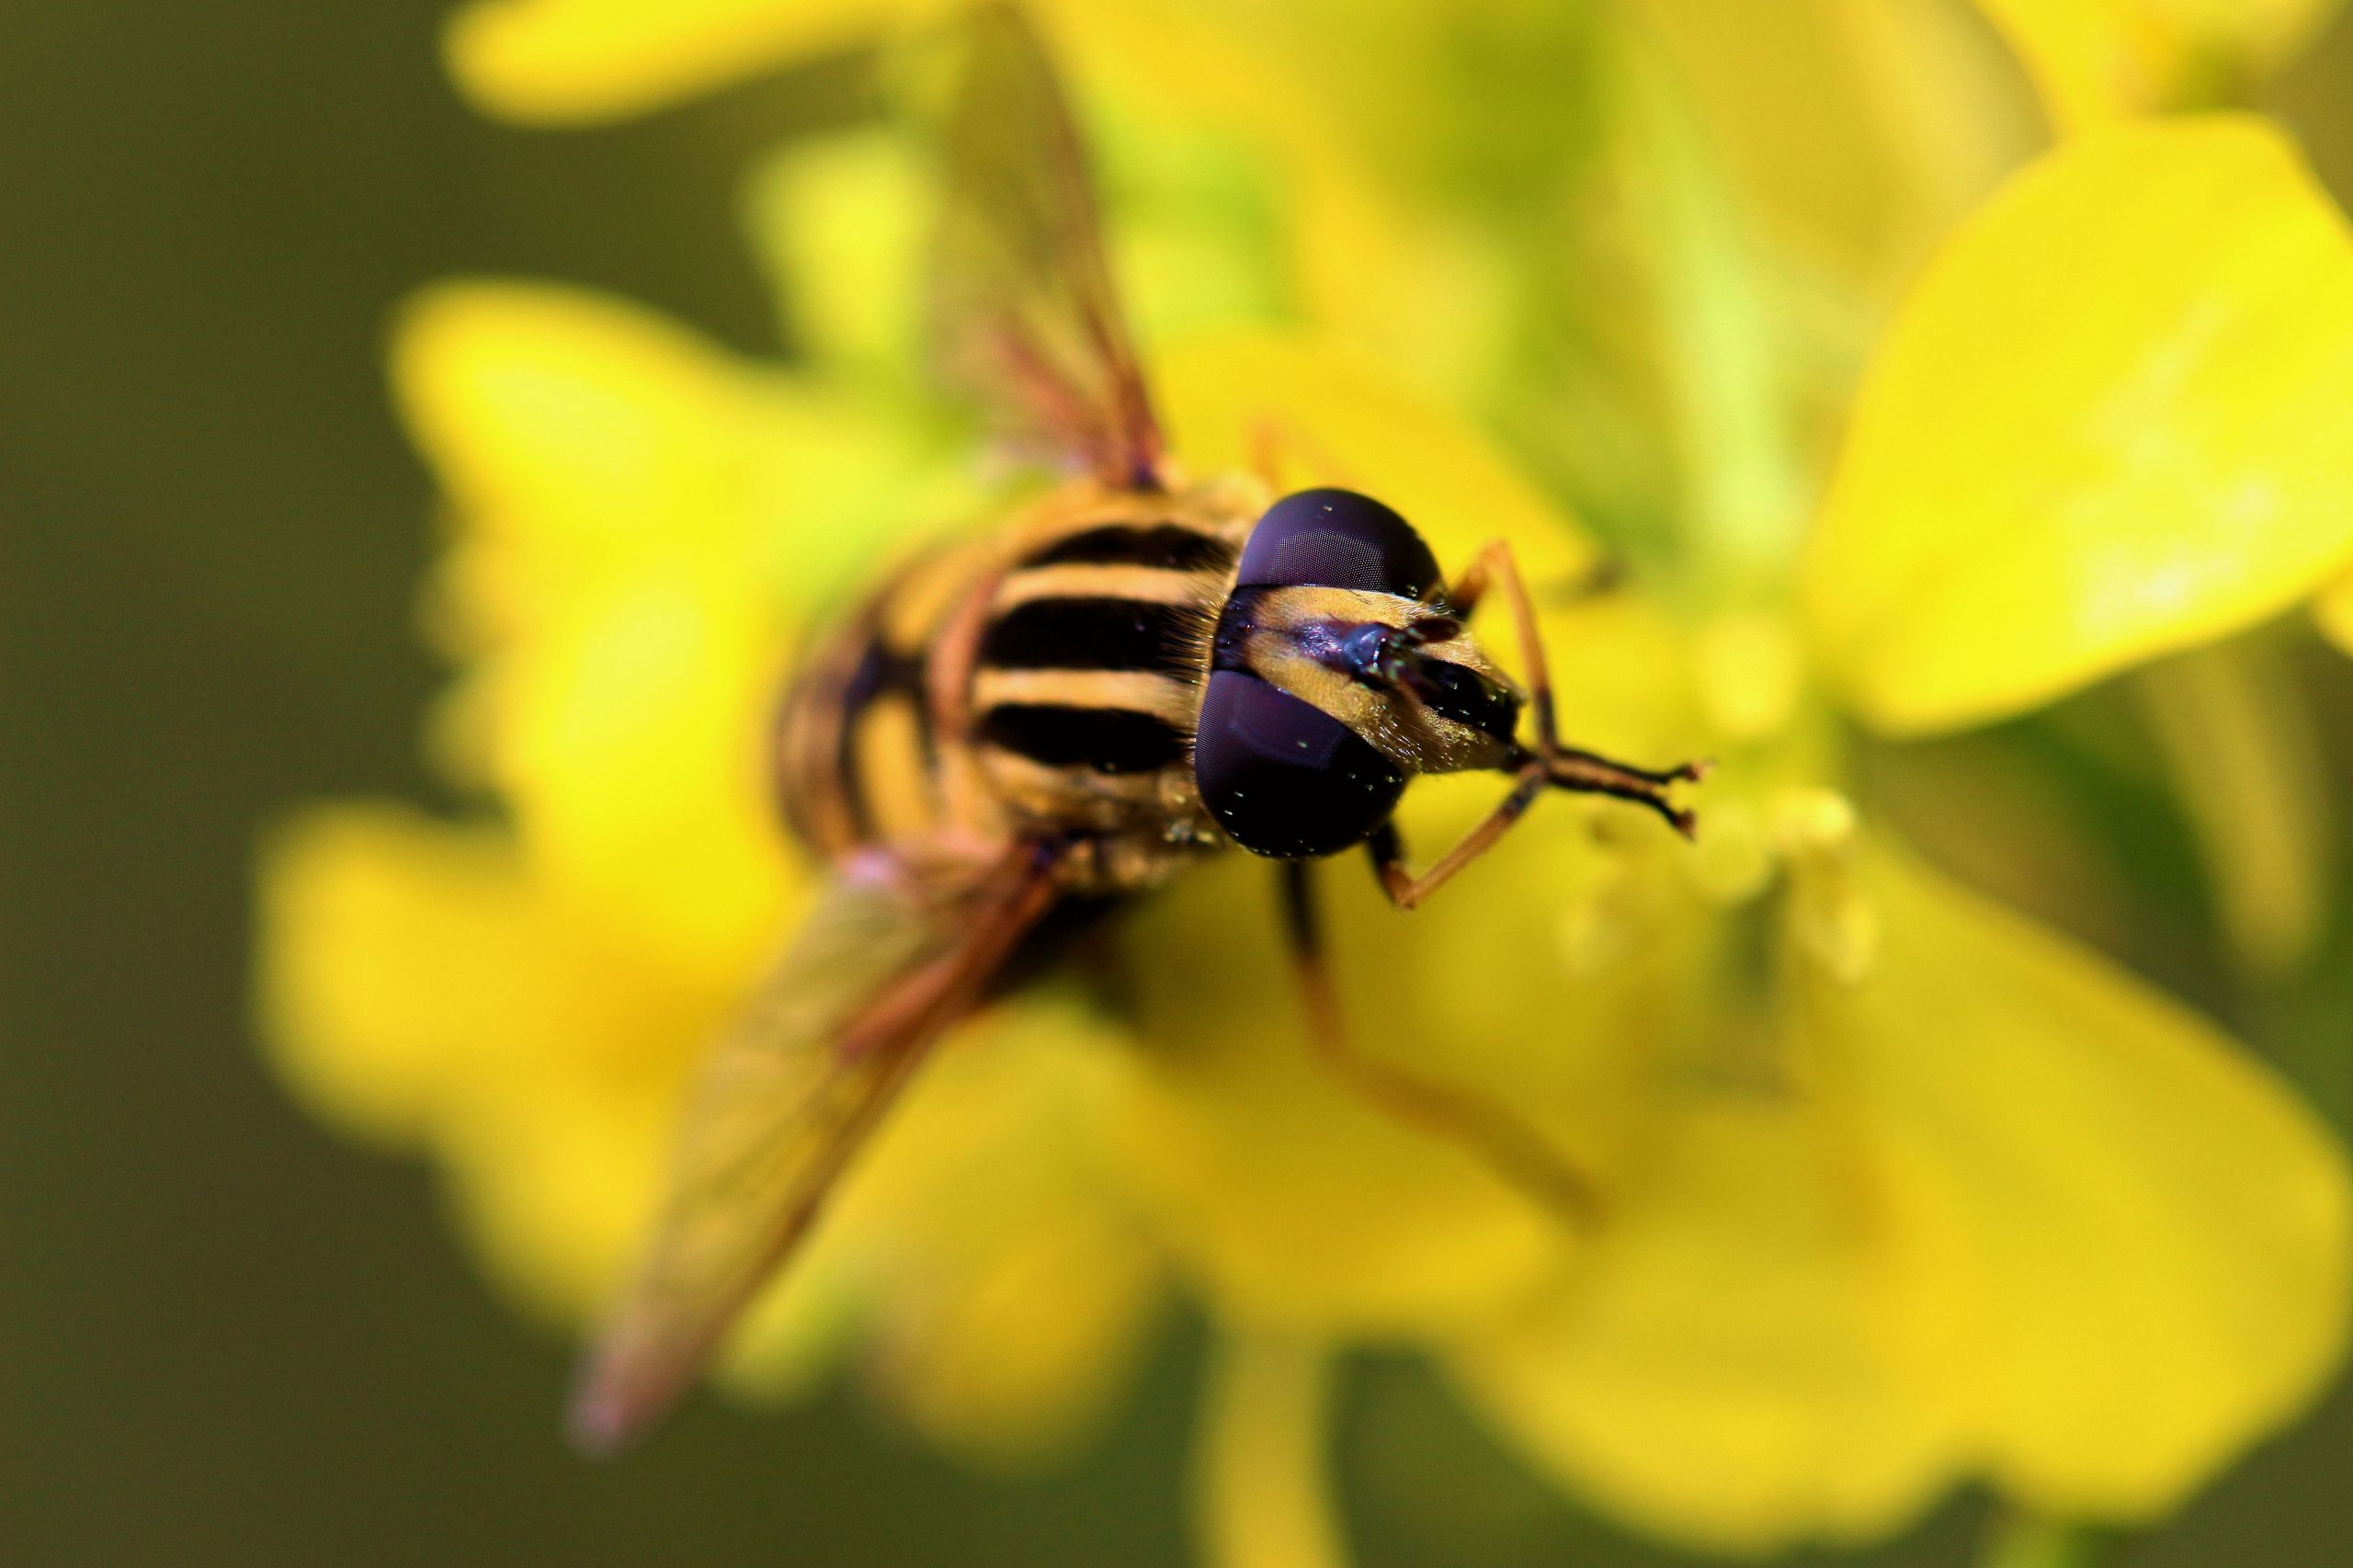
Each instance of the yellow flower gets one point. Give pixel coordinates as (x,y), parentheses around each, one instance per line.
(2259,803)
(1900,1187)
(1189,93)
(575,61)
(1916,1193)
(2149,460)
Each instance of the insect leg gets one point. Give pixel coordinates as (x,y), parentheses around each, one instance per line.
(1587,774)
(1507,1145)
(1553,763)
(1606,576)
(1406,890)
(1494,567)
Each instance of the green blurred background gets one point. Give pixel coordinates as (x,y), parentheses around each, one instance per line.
(223,1336)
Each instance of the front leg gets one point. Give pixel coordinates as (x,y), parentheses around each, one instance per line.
(1549,763)
(1404,889)
(1495,566)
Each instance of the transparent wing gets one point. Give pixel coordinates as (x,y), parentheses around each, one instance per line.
(1023,308)
(894,952)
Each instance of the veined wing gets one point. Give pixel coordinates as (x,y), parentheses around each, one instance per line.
(894,951)
(1022,302)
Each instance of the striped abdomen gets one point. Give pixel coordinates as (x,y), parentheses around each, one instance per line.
(1045,681)
(858,746)
(1088,669)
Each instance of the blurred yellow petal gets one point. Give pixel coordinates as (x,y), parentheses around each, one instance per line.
(1723,1370)
(2120,1246)
(1189,93)
(1330,419)
(845,221)
(418,987)
(585,444)
(1990,1184)
(1295,1203)
(551,1161)
(1188,81)
(1863,128)
(558,416)
(356,903)
(2095,61)
(1262,1488)
(608,474)
(1013,1294)
(1015,1359)
(2106,426)
(569,61)
(627,497)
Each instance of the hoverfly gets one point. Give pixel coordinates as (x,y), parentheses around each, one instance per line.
(1134,672)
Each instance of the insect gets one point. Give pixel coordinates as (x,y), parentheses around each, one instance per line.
(1132,674)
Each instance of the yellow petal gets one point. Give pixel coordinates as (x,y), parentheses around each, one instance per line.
(974,1259)
(551,1154)
(419,988)
(1190,93)
(1722,1372)
(1862,129)
(2106,426)
(2121,1246)
(378,930)
(1010,1352)
(1262,1480)
(583,440)
(555,410)
(845,222)
(1012,1295)
(566,61)
(639,516)
(1330,419)
(1294,1203)
(1223,121)
(2095,60)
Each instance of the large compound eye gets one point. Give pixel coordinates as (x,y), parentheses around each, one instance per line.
(1284,777)
(1338,538)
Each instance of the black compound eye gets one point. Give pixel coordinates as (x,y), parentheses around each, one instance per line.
(1284,777)
(1338,538)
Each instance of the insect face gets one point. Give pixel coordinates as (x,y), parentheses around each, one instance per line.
(1338,673)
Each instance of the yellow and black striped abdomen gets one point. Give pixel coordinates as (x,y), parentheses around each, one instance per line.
(1046,679)
(865,750)
(1087,674)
